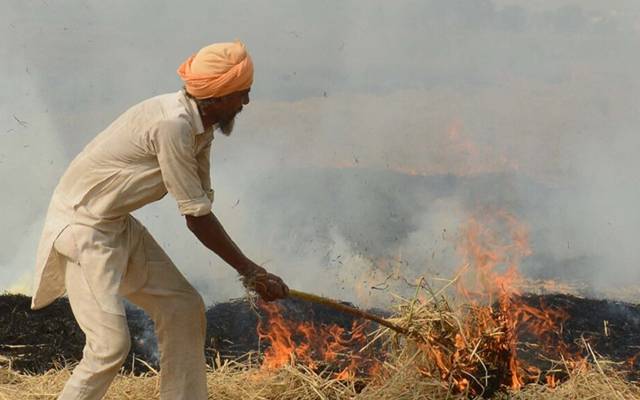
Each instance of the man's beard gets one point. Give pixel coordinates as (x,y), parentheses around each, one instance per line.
(227,126)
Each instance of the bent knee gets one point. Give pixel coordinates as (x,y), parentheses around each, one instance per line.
(187,307)
(112,351)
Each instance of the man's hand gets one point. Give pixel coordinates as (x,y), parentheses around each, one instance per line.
(269,286)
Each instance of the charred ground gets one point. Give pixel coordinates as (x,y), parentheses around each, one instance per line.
(36,341)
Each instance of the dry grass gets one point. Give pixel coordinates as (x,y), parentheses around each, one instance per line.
(238,382)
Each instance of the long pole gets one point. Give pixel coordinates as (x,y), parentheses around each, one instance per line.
(345,308)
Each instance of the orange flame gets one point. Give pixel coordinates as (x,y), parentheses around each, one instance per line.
(492,246)
(305,343)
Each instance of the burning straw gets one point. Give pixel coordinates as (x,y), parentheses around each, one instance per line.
(399,379)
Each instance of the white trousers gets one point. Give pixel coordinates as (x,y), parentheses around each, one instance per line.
(172,303)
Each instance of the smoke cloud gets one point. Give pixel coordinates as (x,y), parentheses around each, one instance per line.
(373,133)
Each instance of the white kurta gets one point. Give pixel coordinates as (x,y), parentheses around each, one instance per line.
(155,147)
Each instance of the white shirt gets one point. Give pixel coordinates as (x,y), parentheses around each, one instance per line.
(155,147)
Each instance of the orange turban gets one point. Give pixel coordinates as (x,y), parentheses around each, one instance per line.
(217,70)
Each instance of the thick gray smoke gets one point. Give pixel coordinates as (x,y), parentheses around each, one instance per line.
(375,130)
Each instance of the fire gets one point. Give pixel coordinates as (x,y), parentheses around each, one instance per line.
(313,346)
(479,341)
(476,342)
(492,247)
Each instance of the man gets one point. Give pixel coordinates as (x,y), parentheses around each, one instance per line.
(92,247)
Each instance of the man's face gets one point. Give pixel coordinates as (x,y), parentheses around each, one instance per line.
(223,110)
(228,107)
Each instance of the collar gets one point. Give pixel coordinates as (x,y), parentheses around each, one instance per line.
(192,109)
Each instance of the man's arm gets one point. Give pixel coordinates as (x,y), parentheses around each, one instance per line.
(173,143)
(211,233)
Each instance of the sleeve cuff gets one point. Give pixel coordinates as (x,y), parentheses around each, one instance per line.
(209,194)
(195,207)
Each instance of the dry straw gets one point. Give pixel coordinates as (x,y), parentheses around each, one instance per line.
(237,382)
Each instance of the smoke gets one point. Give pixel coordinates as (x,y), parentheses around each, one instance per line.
(314,194)
(373,132)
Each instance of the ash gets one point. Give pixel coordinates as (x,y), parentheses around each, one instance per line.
(36,341)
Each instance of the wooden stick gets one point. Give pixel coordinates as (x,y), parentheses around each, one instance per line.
(296,294)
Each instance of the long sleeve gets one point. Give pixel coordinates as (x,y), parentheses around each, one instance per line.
(182,173)
(204,169)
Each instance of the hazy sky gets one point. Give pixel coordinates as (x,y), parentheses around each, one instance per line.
(532,106)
